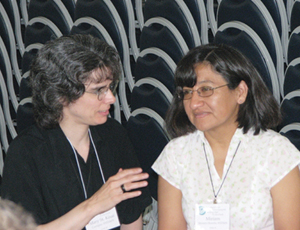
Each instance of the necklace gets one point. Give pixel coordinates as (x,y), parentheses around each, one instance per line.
(211,181)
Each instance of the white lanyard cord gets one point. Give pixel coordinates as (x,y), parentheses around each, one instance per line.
(211,181)
(78,166)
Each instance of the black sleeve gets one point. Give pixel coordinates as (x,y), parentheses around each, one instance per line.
(20,178)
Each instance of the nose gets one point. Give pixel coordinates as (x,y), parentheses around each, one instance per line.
(109,97)
(196,101)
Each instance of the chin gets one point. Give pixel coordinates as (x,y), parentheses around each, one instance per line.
(101,121)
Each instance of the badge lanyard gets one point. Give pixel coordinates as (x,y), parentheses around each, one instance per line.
(78,166)
(108,219)
(211,181)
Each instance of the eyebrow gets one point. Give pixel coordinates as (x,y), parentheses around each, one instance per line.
(204,81)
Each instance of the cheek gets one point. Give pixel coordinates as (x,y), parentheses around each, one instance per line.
(186,106)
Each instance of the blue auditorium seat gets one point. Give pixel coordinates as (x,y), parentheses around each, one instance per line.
(243,38)
(40,30)
(154,62)
(292,76)
(293,45)
(292,132)
(142,126)
(290,107)
(277,10)
(160,33)
(295,12)
(113,24)
(7,72)
(212,9)
(13,13)
(54,10)
(178,14)
(8,37)
(151,93)
(255,14)
(126,12)
(3,115)
(198,11)
(9,126)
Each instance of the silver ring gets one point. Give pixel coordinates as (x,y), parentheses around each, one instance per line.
(123,188)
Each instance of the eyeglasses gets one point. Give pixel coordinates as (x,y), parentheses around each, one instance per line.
(203,91)
(102,91)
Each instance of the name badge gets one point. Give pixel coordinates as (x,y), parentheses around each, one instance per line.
(212,216)
(104,221)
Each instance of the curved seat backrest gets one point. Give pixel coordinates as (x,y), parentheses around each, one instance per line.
(151,93)
(292,76)
(292,132)
(243,38)
(178,14)
(54,10)
(293,45)
(290,107)
(161,33)
(256,16)
(40,30)
(198,11)
(295,12)
(8,37)
(154,62)
(145,129)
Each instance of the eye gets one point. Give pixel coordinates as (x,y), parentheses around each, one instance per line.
(186,91)
(100,91)
(205,89)
(113,86)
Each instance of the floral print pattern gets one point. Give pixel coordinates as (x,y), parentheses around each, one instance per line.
(261,162)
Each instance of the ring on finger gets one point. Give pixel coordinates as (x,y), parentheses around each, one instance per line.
(123,188)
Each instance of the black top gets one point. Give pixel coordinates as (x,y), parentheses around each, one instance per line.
(41,173)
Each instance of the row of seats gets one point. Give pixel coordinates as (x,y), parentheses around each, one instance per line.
(151,36)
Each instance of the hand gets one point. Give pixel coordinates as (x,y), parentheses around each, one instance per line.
(111,193)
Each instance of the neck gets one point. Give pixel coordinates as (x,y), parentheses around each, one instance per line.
(78,136)
(220,140)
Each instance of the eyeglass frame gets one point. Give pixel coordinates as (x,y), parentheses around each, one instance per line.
(191,91)
(102,91)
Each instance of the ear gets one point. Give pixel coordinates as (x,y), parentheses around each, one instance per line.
(242,92)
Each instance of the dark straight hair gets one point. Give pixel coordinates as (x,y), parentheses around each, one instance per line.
(260,110)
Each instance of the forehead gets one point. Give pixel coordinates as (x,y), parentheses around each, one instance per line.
(206,73)
(100,75)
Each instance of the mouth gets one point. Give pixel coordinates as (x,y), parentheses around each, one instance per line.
(201,114)
(104,112)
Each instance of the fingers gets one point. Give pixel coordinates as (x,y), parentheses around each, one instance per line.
(126,172)
(127,187)
(111,193)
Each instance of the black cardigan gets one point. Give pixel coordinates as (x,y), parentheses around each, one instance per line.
(41,173)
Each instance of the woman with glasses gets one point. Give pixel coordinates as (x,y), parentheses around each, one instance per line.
(76,168)
(225,167)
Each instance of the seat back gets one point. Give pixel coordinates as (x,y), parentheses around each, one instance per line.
(143,125)
(243,38)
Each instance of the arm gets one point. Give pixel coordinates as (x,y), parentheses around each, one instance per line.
(170,214)
(107,197)
(136,225)
(286,201)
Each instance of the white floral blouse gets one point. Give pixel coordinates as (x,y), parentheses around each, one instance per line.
(260,162)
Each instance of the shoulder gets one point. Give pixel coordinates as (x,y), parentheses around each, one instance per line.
(270,138)
(185,141)
(111,132)
(31,137)
(111,126)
